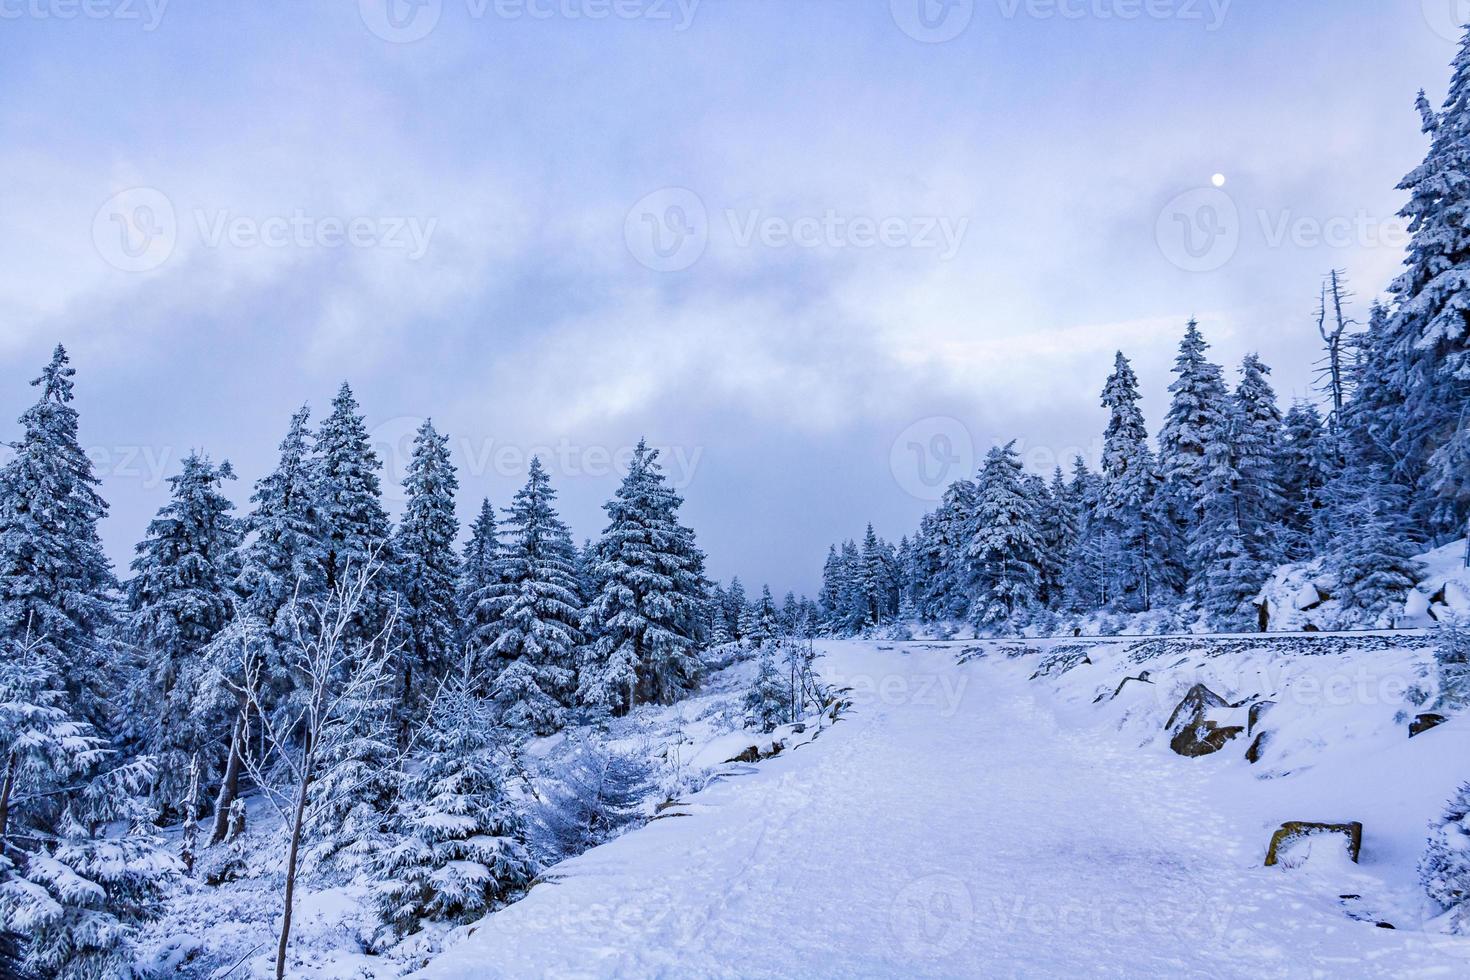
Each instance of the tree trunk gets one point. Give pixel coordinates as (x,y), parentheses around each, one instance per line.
(229,787)
(5,792)
(291,855)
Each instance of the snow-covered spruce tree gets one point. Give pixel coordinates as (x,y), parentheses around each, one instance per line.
(42,746)
(56,584)
(285,555)
(1226,577)
(462,848)
(952,589)
(651,596)
(736,605)
(533,610)
(1059,526)
(427,565)
(1257,448)
(1089,580)
(1372,554)
(1196,407)
(1303,471)
(283,560)
(78,901)
(791,609)
(180,597)
(1430,326)
(478,570)
(595,793)
(765,619)
(1005,546)
(1127,505)
(768,701)
(1445,868)
(349,503)
(719,627)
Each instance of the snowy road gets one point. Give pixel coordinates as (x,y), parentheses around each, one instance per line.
(948,827)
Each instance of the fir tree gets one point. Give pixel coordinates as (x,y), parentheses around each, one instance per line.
(1445,868)
(534,611)
(56,584)
(1257,448)
(180,597)
(462,852)
(349,500)
(650,600)
(1060,530)
(1006,545)
(1372,557)
(80,899)
(284,556)
(1196,408)
(1226,576)
(1128,488)
(478,571)
(1432,309)
(424,547)
(1303,471)
(768,701)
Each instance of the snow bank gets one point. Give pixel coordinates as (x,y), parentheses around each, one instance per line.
(1300,596)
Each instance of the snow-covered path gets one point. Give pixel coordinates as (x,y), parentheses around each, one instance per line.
(949,826)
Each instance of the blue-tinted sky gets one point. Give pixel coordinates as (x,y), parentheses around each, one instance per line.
(815,247)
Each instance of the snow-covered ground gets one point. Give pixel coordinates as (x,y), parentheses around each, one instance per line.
(966,820)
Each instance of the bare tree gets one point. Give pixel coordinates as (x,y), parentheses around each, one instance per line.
(339,676)
(1333,324)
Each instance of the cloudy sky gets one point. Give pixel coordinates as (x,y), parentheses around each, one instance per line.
(823,251)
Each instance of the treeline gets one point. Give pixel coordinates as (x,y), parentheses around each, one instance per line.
(362,675)
(1190,525)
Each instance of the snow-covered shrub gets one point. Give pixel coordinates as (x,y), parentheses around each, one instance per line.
(462,851)
(596,794)
(1452,656)
(768,702)
(1445,869)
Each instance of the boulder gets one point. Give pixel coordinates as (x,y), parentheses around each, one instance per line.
(1423,723)
(1196,703)
(1206,738)
(1257,710)
(1298,830)
(1258,748)
(1192,732)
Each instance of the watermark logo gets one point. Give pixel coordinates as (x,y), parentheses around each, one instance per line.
(406,21)
(1210,13)
(1199,230)
(136,230)
(304,230)
(1447,18)
(668,230)
(933,917)
(400,21)
(932,21)
(672,229)
(148,13)
(481,456)
(930,455)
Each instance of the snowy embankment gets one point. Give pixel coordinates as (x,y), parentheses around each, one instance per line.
(210,930)
(1300,596)
(998,818)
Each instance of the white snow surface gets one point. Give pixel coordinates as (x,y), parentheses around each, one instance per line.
(963,820)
